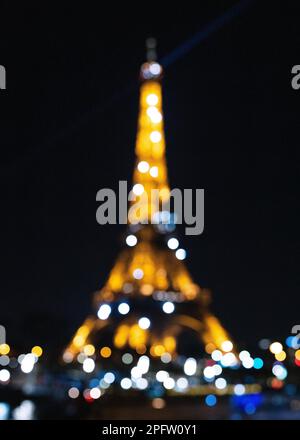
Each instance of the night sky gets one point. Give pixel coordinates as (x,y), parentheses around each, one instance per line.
(68,126)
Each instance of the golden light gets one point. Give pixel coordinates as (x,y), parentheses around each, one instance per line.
(78,341)
(280,356)
(137,336)
(121,336)
(297,355)
(147,289)
(141,349)
(276,348)
(157,350)
(4,349)
(210,347)
(37,350)
(89,350)
(105,352)
(169,343)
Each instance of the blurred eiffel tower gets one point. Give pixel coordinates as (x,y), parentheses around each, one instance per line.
(149,303)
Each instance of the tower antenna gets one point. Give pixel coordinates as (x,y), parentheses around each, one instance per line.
(151,53)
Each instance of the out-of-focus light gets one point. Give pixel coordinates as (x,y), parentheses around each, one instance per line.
(162,375)
(146,289)
(89,350)
(210,347)
(173,243)
(250,408)
(168,307)
(127,358)
(143,364)
(297,355)
(229,360)
(210,400)
(166,358)
(13,362)
(153,172)
(279,371)
(25,411)
(158,403)
(28,363)
(293,342)
(217,369)
(227,346)
(258,363)
(4,375)
(152,99)
(155,68)
(131,240)
(109,377)
(138,189)
(88,365)
(154,114)
(104,311)
(87,395)
(73,393)
(169,383)
(190,366)
(138,274)
(95,393)
(144,323)
(4,360)
(220,383)
(142,383)
(4,348)
(123,308)
(248,363)
(105,352)
(180,254)
(81,357)
(37,350)
(244,355)
(216,355)
(155,137)
(103,384)
(126,383)
(239,389)
(209,372)
(4,411)
(276,383)
(143,166)
(182,383)
(21,357)
(275,347)
(264,344)
(280,356)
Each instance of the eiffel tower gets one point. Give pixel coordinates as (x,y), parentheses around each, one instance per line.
(149,306)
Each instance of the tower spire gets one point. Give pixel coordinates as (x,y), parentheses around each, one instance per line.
(151,54)
(150,172)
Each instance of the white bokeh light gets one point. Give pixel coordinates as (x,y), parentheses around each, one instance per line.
(131,240)
(104,311)
(144,323)
(168,307)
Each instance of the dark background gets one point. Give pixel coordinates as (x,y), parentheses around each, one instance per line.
(68,127)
